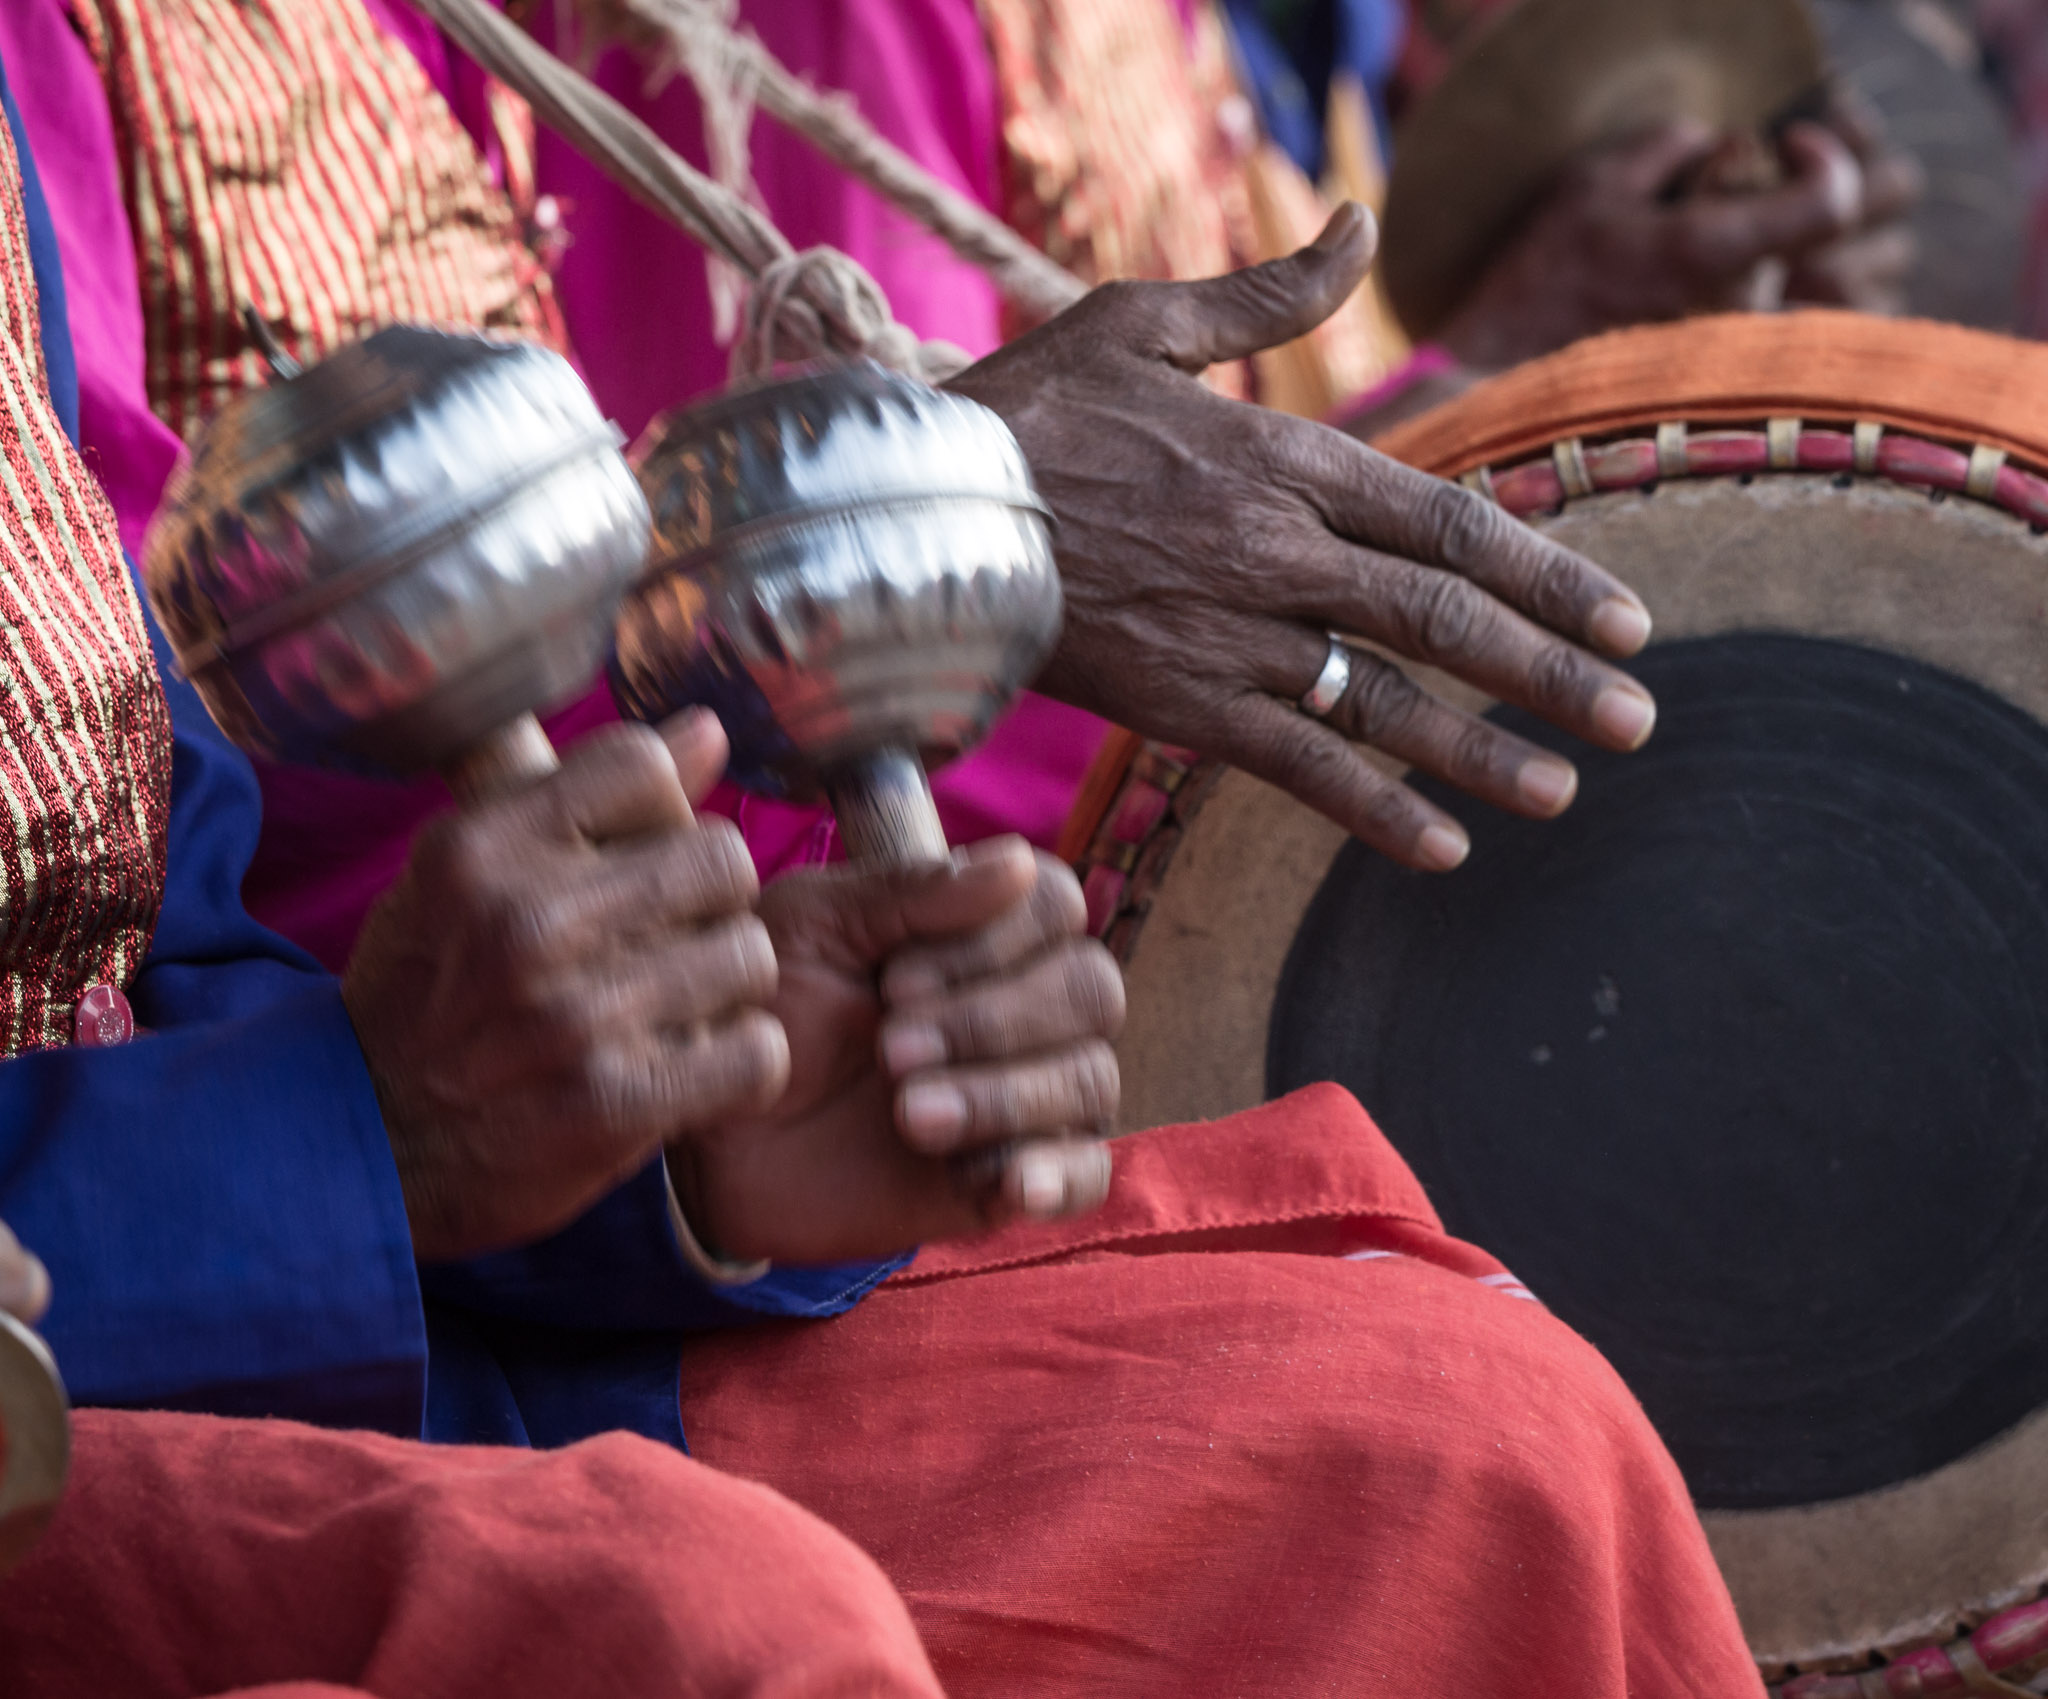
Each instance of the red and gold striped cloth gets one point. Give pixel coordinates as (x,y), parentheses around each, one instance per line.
(85,738)
(291,154)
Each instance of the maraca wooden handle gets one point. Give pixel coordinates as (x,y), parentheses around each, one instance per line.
(886,813)
(515,755)
(35,1439)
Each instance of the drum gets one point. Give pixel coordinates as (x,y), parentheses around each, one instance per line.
(1742,1064)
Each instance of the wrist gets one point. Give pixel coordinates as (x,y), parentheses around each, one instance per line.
(686,1217)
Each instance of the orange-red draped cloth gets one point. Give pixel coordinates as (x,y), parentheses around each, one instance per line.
(1258,1428)
(194,1555)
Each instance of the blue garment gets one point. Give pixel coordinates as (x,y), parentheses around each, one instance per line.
(218,1205)
(1288,50)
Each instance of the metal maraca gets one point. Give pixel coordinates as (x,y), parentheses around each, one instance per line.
(855,572)
(388,561)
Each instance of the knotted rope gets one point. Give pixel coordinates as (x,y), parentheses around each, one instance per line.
(734,71)
(819,301)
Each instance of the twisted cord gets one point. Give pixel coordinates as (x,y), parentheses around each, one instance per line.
(819,302)
(728,64)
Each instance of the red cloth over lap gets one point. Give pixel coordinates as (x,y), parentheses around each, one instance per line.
(195,1555)
(1199,1444)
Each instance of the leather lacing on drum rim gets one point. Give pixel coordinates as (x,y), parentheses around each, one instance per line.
(2015,1639)
(1574,468)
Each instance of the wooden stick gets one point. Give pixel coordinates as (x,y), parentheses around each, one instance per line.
(886,813)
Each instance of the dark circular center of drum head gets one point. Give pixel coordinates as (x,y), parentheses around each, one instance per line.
(1740,1065)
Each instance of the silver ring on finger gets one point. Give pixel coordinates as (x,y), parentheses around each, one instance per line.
(1331,683)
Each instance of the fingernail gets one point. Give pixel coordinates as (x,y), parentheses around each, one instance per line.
(911,1046)
(24,1287)
(1624,715)
(1620,627)
(934,1114)
(1547,785)
(1041,1183)
(1441,848)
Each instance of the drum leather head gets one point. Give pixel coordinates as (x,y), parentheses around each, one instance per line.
(1742,1065)
(1543,82)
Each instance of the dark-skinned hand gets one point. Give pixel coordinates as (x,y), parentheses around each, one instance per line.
(1867,268)
(24,1282)
(1209,547)
(1625,239)
(950,1033)
(561,980)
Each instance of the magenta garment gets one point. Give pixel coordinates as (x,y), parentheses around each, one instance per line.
(638,306)
(64,110)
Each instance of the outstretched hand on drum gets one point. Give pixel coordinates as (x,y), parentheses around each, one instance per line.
(1209,548)
(951,1065)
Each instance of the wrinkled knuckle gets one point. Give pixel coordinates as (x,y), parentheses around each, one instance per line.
(1557,586)
(455,858)
(1097,1084)
(705,874)
(1448,618)
(1094,988)
(1059,890)
(525,927)
(755,1050)
(758,970)
(985,1026)
(1556,680)
(1388,810)
(1475,752)
(1466,528)
(1381,702)
(573,1022)
(610,1081)
(1120,305)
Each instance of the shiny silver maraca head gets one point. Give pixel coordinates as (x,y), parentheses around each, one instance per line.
(844,561)
(378,561)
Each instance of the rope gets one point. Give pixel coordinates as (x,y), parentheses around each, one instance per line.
(733,71)
(804,304)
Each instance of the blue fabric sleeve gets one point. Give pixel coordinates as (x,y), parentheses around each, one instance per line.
(618,1266)
(217,1201)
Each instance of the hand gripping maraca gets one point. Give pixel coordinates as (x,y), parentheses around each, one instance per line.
(388,561)
(855,572)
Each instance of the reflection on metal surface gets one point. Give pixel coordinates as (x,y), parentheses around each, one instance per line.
(35,1440)
(845,562)
(378,562)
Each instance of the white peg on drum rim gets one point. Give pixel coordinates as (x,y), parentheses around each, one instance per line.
(389,561)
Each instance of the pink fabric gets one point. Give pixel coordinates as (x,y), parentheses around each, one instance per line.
(637,303)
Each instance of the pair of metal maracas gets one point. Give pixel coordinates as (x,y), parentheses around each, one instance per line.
(389,561)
